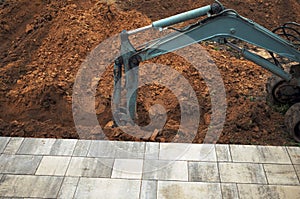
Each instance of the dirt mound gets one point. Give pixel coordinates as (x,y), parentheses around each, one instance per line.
(43,44)
(269,13)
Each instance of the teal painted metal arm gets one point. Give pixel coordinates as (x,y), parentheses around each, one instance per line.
(222,25)
(228,24)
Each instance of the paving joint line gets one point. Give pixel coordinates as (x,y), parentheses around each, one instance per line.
(6,145)
(76,189)
(264,169)
(230,153)
(298,176)
(143,167)
(65,175)
(237,189)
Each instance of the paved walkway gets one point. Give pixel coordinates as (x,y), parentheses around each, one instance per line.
(50,168)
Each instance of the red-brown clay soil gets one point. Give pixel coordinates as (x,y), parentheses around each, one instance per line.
(44,42)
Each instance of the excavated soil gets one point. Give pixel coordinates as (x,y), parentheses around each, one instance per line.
(44,42)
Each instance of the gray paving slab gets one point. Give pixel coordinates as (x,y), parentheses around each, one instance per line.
(294,153)
(13,145)
(192,152)
(165,170)
(297,168)
(63,147)
(281,174)
(242,173)
(152,151)
(3,143)
(82,148)
(203,172)
(145,170)
(223,153)
(120,150)
(30,186)
(36,146)
(108,188)
(229,191)
(259,154)
(19,164)
(148,190)
(68,187)
(90,167)
(128,169)
(171,189)
(250,191)
(53,165)
(13,198)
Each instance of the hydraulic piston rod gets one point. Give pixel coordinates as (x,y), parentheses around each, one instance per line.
(182,17)
(192,14)
(214,8)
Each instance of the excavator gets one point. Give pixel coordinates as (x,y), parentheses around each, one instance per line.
(218,24)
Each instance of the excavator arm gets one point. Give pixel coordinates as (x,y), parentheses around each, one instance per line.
(220,25)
